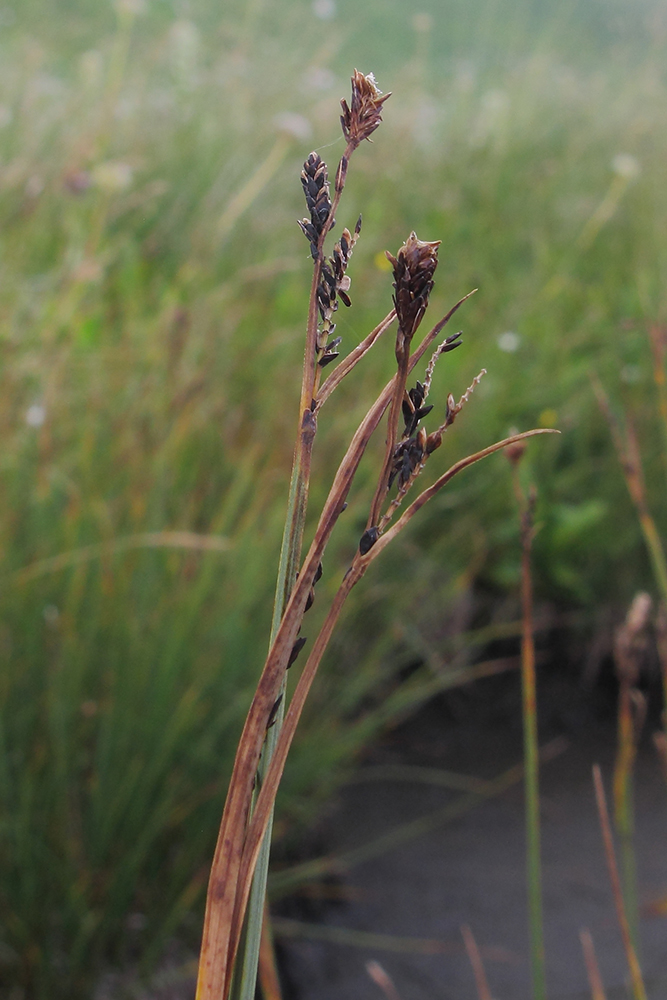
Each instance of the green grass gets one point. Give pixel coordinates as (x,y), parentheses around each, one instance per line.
(164,353)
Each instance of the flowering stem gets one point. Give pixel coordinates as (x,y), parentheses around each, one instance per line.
(245,974)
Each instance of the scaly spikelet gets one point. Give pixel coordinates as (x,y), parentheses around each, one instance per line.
(360,120)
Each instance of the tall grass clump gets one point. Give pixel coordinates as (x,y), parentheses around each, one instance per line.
(237,883)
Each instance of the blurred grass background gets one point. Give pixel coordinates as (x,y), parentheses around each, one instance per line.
(152,309)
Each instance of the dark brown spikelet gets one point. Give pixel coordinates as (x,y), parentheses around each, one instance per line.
(360,120)
(408,456)
(433,442)
(334,286)
(315,181)
(368,540)
(296,649)
(274,711)
(413,410)
(414,267)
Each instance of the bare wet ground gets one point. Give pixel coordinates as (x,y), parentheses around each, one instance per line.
(471,870)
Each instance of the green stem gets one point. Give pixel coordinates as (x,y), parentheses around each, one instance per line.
(245,978)
(658,351)
(638,988)
(623,809)
(662,408)
(629,869)
(290,557)
(531,765)
(655,550)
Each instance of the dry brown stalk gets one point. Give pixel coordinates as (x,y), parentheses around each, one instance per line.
(353,359)
(610,854)
(482,983)
(592,969)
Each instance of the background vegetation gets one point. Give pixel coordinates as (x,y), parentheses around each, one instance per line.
(151,320)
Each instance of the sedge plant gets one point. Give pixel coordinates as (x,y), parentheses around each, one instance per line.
(236,890)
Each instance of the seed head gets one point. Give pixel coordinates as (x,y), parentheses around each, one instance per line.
(315,184)
(414,267)
(368,540)
(334,285)
(361,119)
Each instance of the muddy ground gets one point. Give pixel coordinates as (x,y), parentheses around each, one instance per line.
(471,870)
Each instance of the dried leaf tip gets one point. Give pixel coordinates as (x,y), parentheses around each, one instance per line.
(414,266)
(360,120)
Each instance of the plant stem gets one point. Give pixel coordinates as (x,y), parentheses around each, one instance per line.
(245,978)
(268,972)
(655,550)
(638,989)
(476,962)
(290,554)
(623,807)
(658,344)
(592,970)
(531,753)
